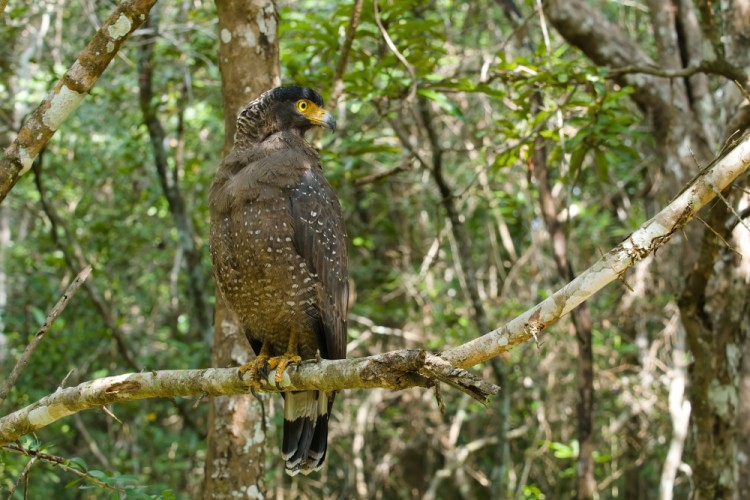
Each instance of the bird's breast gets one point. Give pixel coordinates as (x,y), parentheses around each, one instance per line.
(259,272)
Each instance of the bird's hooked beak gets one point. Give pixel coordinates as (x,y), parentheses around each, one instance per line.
(328,121)
(321,117)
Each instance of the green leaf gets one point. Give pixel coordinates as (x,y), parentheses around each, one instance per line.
(601,164)
(73,482)
(576,160)
(79,462)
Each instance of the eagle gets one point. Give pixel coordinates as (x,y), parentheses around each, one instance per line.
(279,251)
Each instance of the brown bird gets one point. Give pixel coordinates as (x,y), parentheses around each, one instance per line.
(279,253)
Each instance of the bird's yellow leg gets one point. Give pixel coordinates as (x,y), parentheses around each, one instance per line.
(291,356)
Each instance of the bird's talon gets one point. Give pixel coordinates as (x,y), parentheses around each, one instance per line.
(281,362)
(256,367)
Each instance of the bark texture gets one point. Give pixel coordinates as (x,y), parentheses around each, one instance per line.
(393,370)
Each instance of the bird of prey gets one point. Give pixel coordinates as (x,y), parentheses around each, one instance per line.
(278,245)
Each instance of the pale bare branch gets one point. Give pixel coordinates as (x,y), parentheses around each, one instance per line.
(651,235)
(70,91)
(394,370)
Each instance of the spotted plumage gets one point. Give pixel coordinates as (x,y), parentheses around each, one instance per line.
(278,245)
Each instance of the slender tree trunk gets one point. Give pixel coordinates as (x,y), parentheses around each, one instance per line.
(581,316)
(169,181)
(7,124)
(249,63)
(585,484)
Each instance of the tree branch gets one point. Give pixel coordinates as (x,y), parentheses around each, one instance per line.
(338,75)
(59,462)
(393,370)
(70,91)
(377,176)
(717,67)
(644,241)
(407,368)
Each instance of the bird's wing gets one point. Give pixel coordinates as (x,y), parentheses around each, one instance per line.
(320,238)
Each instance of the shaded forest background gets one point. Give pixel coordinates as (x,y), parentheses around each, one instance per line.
(486,152)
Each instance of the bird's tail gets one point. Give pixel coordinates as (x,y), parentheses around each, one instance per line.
(305,430)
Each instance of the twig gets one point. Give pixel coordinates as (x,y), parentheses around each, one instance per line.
(377,176)
(719,236)
(718,67)
(51,317)
(396,52)
(729,206)
(59,462)
(23,476)
(93,446)
(112,415)
(338,75)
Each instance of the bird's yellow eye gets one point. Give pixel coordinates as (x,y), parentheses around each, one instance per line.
(302,106)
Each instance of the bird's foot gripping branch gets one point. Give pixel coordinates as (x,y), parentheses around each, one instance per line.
(393,370)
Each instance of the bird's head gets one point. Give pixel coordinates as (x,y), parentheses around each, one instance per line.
(292,108)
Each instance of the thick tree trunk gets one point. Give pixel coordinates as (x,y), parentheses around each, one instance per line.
(249,62)
(743,419)
(715,307)
(737,20)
